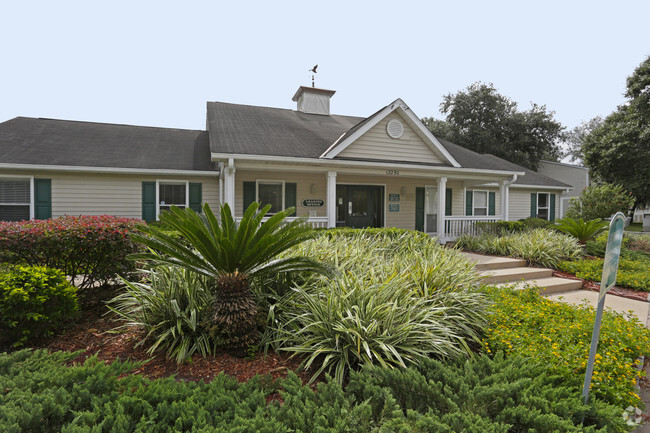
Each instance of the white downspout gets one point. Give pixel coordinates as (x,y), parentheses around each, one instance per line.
(505,197)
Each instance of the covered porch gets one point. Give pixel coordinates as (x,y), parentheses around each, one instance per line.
(442,204)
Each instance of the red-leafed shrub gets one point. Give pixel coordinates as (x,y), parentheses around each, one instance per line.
(89,249)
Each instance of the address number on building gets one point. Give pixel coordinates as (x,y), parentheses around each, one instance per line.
(392,172)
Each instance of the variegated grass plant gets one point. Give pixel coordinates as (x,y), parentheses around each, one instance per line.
(169,304)
(540,246)
(399,297)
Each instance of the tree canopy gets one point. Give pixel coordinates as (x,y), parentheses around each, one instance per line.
(481,119)
(618,151)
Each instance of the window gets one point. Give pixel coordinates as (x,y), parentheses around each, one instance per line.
(480,201)
(172,194)
(543,206)
(271,193)
(15,199)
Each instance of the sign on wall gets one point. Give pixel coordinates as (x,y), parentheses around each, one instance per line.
(313,202)
(393,197)
(393,207)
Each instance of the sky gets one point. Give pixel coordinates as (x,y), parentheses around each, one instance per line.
(156,63)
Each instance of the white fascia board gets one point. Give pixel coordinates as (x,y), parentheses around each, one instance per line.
(358,164)
(538,186)
(107,170)
(429,139)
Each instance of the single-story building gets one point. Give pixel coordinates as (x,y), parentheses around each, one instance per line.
(385,170)
(571,174)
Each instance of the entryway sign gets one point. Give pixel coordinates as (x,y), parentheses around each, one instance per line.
(607,281)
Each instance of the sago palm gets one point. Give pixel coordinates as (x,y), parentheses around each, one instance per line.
(230,254)
(580,229)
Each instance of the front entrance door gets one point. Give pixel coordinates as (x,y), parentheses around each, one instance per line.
(359,206)
(430,209)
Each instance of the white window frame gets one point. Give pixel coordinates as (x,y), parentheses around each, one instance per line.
(171,182)
(487,202)
(259,182)
(547,207)
(31,191)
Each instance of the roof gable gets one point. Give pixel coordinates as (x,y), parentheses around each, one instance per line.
(369,138)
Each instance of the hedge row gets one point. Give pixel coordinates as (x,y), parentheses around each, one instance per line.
(40,394)
(89,249)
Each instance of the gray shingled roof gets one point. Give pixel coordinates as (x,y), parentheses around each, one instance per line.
(26,140)
(250,130)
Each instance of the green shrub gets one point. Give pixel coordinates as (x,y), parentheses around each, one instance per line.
(89,249)
(632,273)
(399,297)
(580,229)
(500,228)
(558,335)
(171,306)
(539,246)
(34,300)
(600,201)
(532,223)
(481,395)
(40,394)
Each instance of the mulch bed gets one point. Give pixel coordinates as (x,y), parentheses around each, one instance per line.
(90,334)
(595,286)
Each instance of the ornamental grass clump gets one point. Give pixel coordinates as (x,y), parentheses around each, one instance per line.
(558,335)
(170,304)
(399,297)
(542,247)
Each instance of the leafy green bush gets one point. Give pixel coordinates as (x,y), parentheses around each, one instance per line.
(580,229)
(634,274)
(559,335)
(171,305)
(400,297)
(41,394)
(34,300)
(500,228)
(539,246)
(481,395)
(89,249)
(600,201)
(532,223)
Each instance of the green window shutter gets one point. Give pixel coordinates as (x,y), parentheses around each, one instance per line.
(533,204)
(290,196)
(552,208)
(491,203)
(419,209)
(42,199)
(196,196)
(249,194)
(469,195)
(149,201)
(448,198)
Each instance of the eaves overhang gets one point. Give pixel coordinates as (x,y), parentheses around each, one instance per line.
(106,170)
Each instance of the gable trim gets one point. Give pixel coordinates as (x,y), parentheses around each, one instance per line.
(339,145)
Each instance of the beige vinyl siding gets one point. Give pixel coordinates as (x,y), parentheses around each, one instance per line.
(303,181)
(377,144)
(111,194)
(457,197)
(520,203)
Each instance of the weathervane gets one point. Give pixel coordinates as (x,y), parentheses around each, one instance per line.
(313,70)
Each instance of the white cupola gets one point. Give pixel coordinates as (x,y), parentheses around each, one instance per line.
(313,100)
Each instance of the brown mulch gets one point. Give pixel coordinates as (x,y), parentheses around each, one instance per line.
(90,334)
(595,286)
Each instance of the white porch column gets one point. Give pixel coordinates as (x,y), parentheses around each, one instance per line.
(229,185)
(331,199)
(505,199)
(442,193)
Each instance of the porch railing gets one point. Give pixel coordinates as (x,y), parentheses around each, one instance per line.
(462,225)
(315,222)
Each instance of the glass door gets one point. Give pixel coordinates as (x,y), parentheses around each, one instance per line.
(430,209)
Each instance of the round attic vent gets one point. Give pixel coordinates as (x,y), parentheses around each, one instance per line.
(395,129)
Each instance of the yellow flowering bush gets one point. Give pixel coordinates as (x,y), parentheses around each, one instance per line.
(634,274)
(559,335)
